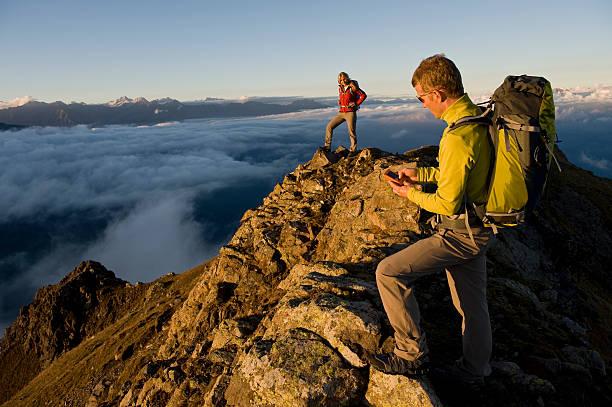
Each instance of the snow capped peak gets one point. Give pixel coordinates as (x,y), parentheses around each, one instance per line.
(124,100)
(164,101)
(16,102)
(118,102)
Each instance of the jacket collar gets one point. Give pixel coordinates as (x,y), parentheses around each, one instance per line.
(461,108)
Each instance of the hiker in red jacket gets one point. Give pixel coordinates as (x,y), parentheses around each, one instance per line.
(349,99)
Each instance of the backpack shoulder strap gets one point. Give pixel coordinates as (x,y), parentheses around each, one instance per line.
(483,119)
(354,84)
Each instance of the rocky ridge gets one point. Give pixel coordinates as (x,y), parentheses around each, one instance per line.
(284,315)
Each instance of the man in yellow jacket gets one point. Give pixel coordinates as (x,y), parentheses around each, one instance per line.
(460,243)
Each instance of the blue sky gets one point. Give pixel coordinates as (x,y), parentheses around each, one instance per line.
(96,51)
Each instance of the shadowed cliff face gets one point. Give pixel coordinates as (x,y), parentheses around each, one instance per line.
(287,310)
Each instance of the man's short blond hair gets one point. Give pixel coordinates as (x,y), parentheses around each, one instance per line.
(439,73)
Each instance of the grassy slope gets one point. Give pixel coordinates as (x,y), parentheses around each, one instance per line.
(70,379)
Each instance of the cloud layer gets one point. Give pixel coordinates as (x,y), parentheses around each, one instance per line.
(602,93)
(602,163)
(52,170)
(156,189)
(140,199)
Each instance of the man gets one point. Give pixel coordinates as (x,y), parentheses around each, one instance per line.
(350,97)
(458,246)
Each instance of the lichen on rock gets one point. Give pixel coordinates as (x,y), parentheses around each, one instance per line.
(295,368)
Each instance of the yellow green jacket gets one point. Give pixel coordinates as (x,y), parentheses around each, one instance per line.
(464,158)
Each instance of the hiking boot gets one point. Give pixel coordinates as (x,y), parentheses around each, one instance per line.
(390,363)
(327,149)
(455,373)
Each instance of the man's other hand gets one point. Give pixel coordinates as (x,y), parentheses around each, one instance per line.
(408,174)
(402,190)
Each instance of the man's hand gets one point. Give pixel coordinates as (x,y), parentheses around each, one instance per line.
(408,175)
(407,179)
(400,190)
(351,104)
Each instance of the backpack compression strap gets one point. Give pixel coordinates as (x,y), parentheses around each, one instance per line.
(511,124)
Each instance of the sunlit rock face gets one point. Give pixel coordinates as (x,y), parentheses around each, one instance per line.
(287,311)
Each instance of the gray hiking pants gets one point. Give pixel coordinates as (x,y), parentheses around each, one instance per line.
(465,266)
(351,122)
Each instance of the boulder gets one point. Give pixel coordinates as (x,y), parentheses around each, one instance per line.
(400,391)
(341,309)
(296,368)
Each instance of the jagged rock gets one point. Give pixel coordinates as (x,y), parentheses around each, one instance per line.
(270,240)
(423,153)
(175,374)
(224,356)
(555,366)
(400,391)
(526,382)
(339,308)
(155,392)
(98,390)
(297,368)
(123,354)
(151,368)
(127,400)
(521,251)
(588,358)
(216,395)
(574,327)
(61,316)
(321,159)
(549,297)
(232,331)
(284,314)
(180,396)
(519,290)
(341,151)
(98,394)
(366,220)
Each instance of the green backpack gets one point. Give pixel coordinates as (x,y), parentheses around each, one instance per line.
(521,120)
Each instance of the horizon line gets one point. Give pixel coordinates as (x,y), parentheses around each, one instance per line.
(246,97)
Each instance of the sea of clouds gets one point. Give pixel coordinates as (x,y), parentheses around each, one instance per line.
(150,200)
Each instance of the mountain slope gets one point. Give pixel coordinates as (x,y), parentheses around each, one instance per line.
(286,311)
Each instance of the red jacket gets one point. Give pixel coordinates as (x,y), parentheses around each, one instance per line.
(351,94)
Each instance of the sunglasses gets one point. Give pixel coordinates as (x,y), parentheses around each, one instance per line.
(420,97)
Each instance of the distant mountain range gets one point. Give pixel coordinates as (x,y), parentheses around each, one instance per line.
(137,111)
(26,111)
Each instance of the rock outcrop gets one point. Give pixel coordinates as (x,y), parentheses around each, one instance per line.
(60,317)
(286,312)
